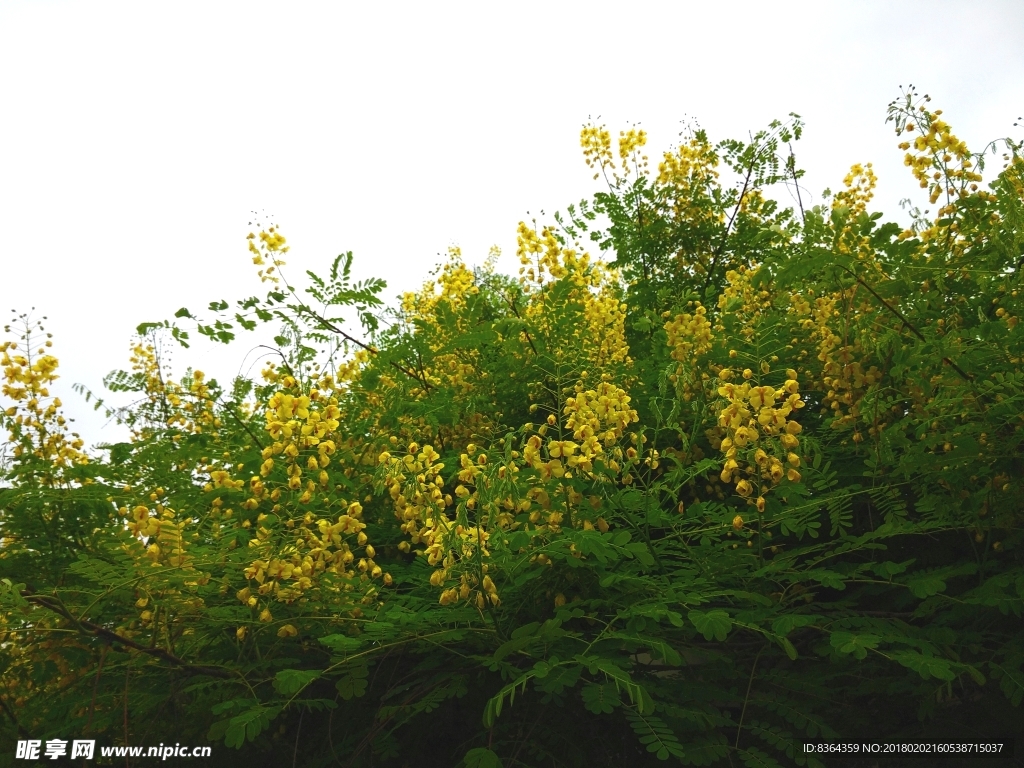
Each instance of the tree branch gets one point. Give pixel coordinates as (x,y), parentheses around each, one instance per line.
(95,630)
(369,348)
(963,374)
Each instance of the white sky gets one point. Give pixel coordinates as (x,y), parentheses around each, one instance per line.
(136,138)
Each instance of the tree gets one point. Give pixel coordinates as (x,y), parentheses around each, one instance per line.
(755,480)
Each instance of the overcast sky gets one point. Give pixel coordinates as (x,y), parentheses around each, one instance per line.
(136,138)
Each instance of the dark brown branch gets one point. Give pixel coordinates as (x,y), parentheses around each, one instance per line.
(7,710)
(963,374)
(512,305)
(95,630)
(728,227)
(244,426)
(368,347)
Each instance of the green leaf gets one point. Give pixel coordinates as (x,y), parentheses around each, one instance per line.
(600,698)
(889,568)
(246,726)
(858,645)
(976,675)
(926,666)
(927,585)
(481,757)
(788,647)
(289,681)
(353,684)
(713,624)
(640,551)
(829,579)
(10,594)
(755,758)
(341,643)
(786,624)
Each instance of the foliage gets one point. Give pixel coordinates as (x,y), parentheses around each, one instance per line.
(756,479)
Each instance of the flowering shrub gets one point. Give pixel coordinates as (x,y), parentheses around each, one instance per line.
(756,479)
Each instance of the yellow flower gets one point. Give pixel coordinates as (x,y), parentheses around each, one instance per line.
(762,397)
(287,631)
(737,522)
(788,440)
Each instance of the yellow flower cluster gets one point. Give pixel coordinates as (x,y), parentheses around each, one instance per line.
(860,185)
(740,299)
(189,409)
(36,424)
(691,165)
(596,142)
(163,534)
(940,161)
(467,590)
(1010,319)
(686,178)
(455,282)
(303,427)
(689,336)
(604,337)
(843,375)
(295,426)
(415,485)
(272,243)
(320,545)
(760,437)
(597,418)
(598,337)
(859,189)
(538,253)
(630,143)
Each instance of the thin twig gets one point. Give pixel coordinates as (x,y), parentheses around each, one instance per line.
(746,699)
(95,685)
(796,183)
(298,730)
(725,235)
(127,673)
